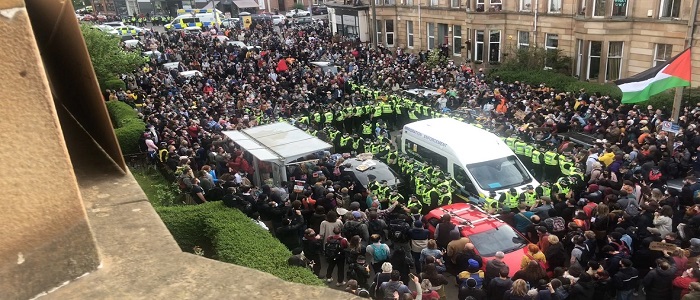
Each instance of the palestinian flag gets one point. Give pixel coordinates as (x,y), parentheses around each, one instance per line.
(674,73)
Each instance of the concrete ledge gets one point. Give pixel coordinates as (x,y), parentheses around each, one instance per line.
(140,258)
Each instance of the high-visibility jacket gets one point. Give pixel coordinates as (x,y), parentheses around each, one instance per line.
(536,157)
(356,144)
(492,203)
(412,114)
(366,129)
(163,155)
(550,158)
(512,200)
(412,204)
(378,110)
(529,198)
(340,115)
(528,150)
(397,108)
(574,172)
(427,196)
(519,147)
(386,108)
(398,197)
(546,191)
(375,148)
(562,189)
(317,117)
(333,134)
(344,141)
(510,142)
(445,198)
(328,116)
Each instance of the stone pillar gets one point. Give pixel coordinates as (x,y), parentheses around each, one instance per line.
(46,239)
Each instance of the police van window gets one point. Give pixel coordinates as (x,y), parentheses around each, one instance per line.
(190,20)
(425,154)
(463,179)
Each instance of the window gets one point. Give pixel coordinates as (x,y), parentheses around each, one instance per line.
(554,6)
(389,2)
(409,33)
(582,7)
(619,8)
(523,39)
(551,44)
(662,53)
(480,5)
(454,3)
(496,5)
(408,2)
(380,40)
(431,36)
(463,179)
(670,8)
(433,2)
(425,154)
(502,238)
(552,41)
(495,46)
(579,57)
(457,40)
(599,8)
(443,36)
(614,65)
(389,33)
(594,50)
(500,173)
(479,45)
(525,5)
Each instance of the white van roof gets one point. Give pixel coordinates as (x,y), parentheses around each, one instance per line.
(468,143)
(426,92)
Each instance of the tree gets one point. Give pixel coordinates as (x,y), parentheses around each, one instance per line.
(108,58)
(436,59)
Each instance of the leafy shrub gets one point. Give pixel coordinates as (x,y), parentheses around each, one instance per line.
(235,238)
(128,126)
(436,59)
(299,6)
(113,84)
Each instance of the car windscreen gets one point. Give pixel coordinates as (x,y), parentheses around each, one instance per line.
(502,238)
(500,173)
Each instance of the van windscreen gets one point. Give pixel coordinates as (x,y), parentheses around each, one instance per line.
(500,173)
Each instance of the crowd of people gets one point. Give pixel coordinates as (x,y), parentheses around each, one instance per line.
(591,225)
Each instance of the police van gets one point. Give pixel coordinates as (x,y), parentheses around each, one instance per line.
(195,17)
(479,161)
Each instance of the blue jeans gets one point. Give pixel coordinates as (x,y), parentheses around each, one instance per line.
(624,295)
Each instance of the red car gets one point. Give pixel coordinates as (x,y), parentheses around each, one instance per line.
(488,233)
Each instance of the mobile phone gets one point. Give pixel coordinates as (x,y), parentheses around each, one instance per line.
(411,275)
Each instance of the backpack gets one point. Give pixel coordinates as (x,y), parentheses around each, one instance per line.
(380,254)
(332,248)
(622,248)
(398,231)
(654,175)
(631,209)
(351,229)
(555,225)
(585,255)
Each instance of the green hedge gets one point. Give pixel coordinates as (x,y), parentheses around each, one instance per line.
(113,84)
(235,239)
(567,83)
(127,126)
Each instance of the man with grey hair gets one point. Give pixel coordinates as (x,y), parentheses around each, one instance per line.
(493,267)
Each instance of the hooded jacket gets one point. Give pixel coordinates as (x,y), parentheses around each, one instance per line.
(658,283)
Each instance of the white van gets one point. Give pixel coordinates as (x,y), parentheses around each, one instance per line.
(479,161)
(199,18)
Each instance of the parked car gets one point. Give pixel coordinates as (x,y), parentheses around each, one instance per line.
(114,24)
(278,19)
(488,233)
(361,168)
(303,20)
(319,10)
(295,13)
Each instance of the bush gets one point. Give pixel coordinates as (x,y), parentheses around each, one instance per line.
(127,126)
(299,6)
(113,84)
(234,237)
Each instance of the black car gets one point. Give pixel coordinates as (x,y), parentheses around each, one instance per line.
(319,10)
(377,168)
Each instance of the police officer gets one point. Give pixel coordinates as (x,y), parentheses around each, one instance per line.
(345,143)
(394,196)
(561,187)
(550,164)
(445,196)
(358,144)
(544,190)
(372,185)
(367,131)
(510,199)
(491,204)
(537,160)
(431,198)
(529,196)
(414,202)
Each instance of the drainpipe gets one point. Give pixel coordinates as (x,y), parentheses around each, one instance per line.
(534,30)
(373,30)
(420,24)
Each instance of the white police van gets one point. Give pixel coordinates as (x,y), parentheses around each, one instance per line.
(479,161)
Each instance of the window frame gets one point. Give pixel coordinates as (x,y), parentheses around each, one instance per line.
(434,3)
(483,5)
(549,6)
(612,13)
(456,34)
(609,57)
(661,10)
(500,40)
(521,6)
(522,45)
(380,30)
(590,56)
(595,10)
(499,4)
(426,155)
(429,36)
(387,33)
(668,51)
(409,34)
(453,2)
(477,43)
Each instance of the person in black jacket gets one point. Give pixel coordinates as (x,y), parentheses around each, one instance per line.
(626,280)
(288,233)
(312,245)
(583,289)
(658,282)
